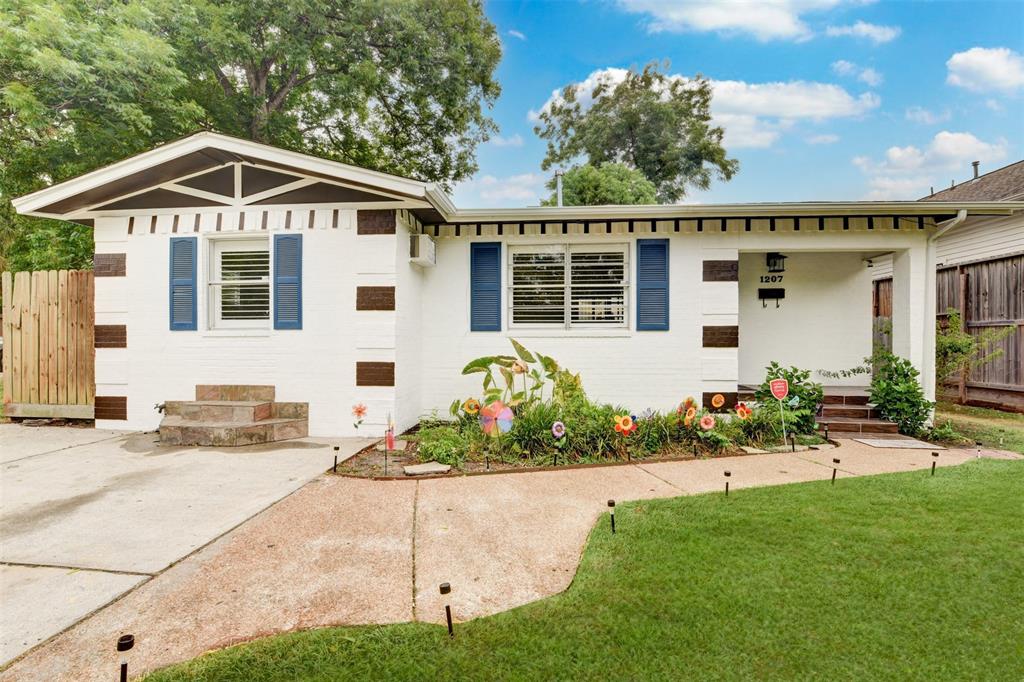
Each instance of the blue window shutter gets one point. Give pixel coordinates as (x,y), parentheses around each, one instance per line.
(652,285)
(485,287)
(288,281)
(183,283)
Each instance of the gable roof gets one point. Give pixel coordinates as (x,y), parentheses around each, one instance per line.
(1002,184)
(193,168)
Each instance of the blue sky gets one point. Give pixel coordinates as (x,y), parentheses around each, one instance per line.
(820,99)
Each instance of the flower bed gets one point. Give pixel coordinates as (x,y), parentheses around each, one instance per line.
(533,413)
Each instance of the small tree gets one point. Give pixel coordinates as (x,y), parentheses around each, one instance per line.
(609,183)
(957,350)
(651,121)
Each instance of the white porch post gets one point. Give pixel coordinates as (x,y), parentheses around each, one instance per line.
(913,310)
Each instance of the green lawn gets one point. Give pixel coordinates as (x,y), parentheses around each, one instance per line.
(905,576)
(995,429)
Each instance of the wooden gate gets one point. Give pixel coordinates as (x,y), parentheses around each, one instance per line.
(48,332)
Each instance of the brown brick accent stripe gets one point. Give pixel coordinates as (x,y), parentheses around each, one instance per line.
(731,398)
(722,337)
(111,336)
(375,298)
(721,271)
(111,407)
(377,221)
(375,374)
(108,264)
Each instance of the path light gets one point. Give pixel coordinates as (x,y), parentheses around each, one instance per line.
(977,444)
(336,449)
(727,475)
(826,433)
(935,458)
(792,439)
(487,462)
(124,644)
(611,508)
(446,589)
(385,460)
(835,460)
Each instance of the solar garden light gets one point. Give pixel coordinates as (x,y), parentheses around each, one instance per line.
(124,644)
(826,433)
(336,449)
(835,460)
(446,589)
(727,475)
(487,462)
(935,458)
(977,444)
(611,508)
(792,440)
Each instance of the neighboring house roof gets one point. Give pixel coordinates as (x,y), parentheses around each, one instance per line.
(1003,184)
(210,171)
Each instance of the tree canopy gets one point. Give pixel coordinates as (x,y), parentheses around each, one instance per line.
(609,183)
(653,122)
(394,85)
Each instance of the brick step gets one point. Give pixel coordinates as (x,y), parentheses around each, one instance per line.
(220,410)
(856,425)
(842,399)
(235,392)
(859,411)
(176,430)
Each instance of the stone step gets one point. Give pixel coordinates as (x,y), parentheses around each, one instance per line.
(221,410)
(859,411)
(235,392)
(856,425)
(175,430)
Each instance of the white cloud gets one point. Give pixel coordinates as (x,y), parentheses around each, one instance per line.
(926,117)
(863,74)
(765,20)
(861,29)
(752,114)
(513,141)
(907,172)
(490,191)
(994,105)
(826,138)
(984,69)
(516,34)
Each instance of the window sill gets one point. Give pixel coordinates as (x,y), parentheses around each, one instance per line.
(229,333)
(567,333)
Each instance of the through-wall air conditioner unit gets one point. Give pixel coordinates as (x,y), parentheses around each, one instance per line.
(422,250)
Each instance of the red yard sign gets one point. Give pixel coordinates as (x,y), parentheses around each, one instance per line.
(780,388)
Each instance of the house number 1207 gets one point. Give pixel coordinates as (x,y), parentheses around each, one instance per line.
(771,279)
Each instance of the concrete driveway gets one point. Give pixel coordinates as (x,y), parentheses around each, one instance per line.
(86,515)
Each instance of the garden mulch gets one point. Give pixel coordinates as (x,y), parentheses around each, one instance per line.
(344,550)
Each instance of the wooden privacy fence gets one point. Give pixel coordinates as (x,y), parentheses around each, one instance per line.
(48,333)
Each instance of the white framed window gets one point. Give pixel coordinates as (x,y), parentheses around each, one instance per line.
(239,283)
(572,286)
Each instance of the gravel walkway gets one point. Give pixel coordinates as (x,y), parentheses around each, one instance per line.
(353,551)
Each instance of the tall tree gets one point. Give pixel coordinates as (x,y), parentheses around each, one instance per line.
(609,183)
(82,83)
(656,123)
(396,85)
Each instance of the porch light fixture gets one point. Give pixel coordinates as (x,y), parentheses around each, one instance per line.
(776,262)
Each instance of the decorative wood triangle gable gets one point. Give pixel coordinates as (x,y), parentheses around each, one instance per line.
(256,180)
(220,181)
(160,198)
(322,193)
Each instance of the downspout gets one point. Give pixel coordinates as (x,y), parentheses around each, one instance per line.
(961,216)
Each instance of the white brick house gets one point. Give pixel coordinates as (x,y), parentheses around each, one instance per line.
(231,262)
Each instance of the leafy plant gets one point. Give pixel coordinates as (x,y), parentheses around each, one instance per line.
(805,396)
(444,443)
(957,350)
(897,394)
(534,369)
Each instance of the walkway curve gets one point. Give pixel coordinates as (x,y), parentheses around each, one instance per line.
(349,551)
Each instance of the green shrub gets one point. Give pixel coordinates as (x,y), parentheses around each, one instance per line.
(444,443)
(805,396)
(762,428)
(898,396)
